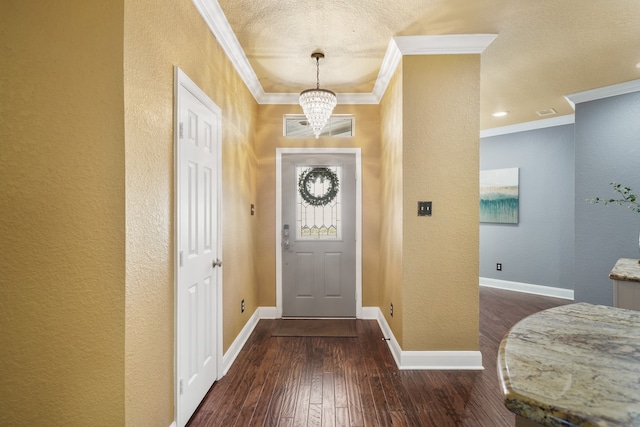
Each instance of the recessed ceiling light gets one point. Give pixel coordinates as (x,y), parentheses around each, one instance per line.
(500,113)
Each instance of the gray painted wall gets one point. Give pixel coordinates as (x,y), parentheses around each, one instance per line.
(540,249)
(607,135)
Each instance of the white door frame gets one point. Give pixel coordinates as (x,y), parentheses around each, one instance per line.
(358,154)
(181,79)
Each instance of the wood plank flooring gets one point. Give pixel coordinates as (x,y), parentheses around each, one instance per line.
(285,381)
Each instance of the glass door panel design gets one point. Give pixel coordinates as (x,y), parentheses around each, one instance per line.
(315,221)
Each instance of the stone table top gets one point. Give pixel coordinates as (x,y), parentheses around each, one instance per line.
(574,365)
(626,269)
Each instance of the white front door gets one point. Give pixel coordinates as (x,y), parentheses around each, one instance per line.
(198,248)
(318,235)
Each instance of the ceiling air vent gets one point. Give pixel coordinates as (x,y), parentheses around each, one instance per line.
(546,112)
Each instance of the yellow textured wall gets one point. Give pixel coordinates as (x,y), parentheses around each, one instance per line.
(87,204)
(269,137)
(441,163)
(62,213)
(159,35)
(391,204)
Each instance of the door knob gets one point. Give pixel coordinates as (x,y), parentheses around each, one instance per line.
(217,263)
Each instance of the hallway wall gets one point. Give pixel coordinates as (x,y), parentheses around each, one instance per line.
(62,214)
(391,108)
(539,250)
(158,36)
(430,152)
(441,127)
(269,137)
(607,150)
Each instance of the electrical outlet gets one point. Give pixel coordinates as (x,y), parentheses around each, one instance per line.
(242,307)
(499,266)
(391,310)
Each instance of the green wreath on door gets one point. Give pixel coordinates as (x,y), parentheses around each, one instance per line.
(308,177)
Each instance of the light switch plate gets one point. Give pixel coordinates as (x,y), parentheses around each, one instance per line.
(424,208)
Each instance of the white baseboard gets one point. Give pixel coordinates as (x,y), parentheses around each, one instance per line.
(231,354)
(268,312)
(442,360)
(370,313)
(424,360)
(173,424)
(449,360)
(454,360)
(396,351)
(547,291)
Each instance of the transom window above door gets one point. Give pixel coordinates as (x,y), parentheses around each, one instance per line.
(339,125)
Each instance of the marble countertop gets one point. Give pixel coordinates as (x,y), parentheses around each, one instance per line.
(574,365)
(626,269)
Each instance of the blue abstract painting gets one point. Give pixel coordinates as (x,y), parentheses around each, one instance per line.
(499,195)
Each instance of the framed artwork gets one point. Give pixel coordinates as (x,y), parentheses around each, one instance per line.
(499,197)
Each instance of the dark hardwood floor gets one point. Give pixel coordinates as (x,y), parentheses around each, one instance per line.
(278,381)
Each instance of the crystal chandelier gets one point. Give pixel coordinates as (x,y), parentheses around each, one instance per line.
(317,103)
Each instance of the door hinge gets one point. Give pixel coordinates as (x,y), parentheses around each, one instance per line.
(181,258)
(181,129)
(181,386)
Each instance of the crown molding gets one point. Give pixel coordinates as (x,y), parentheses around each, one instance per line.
(426,45)
(389,65)
(343,98)
(444,44)
(279,98)
(603,92)
(533,125)
(573,99)
(403,45)
(357,98)
(217,22)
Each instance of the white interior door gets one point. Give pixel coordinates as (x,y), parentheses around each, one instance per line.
(318,235)
(198,248)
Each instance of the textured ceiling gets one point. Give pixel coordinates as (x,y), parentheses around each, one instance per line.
(544,50)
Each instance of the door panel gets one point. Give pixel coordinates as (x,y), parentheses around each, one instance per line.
(318,256)
(304,278)
(332,271)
